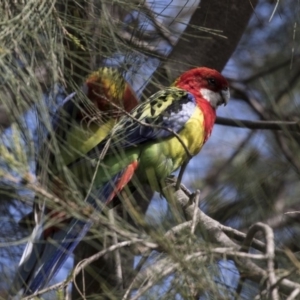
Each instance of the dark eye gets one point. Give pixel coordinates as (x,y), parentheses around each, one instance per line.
(211,81)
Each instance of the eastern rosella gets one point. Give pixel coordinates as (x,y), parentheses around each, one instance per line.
(85,121)
(145,147)
(82,122)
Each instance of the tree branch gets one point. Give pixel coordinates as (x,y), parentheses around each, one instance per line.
(266,125)
(212,232)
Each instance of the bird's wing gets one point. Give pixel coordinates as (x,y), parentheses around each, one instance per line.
(162,116)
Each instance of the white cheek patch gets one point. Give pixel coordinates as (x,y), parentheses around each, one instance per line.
(212,97)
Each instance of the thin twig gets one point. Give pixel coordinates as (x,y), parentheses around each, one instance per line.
(260,110)
(213,233)
(84,263)
(239,287)
(292,82)
(266,125)
(271,69)
(155,273)
(138,268)
(118,260)
(293,294)
(274,10)
(81,293)
(181,172)
(194,220)
(170,235)
(270,252)
(212,177)
(160,27)
(66,294)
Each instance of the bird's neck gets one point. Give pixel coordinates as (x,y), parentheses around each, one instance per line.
(129,99)
(209,112)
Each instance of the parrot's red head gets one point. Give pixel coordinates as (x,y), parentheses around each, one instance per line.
(205,83)
(210,89)
(108,90)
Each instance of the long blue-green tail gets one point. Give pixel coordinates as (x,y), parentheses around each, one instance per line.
(42,259)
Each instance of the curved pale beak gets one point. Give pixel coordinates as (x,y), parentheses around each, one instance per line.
(225,95)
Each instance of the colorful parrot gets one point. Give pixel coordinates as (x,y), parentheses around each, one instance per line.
(144,147)
(83,120)
(81,126)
